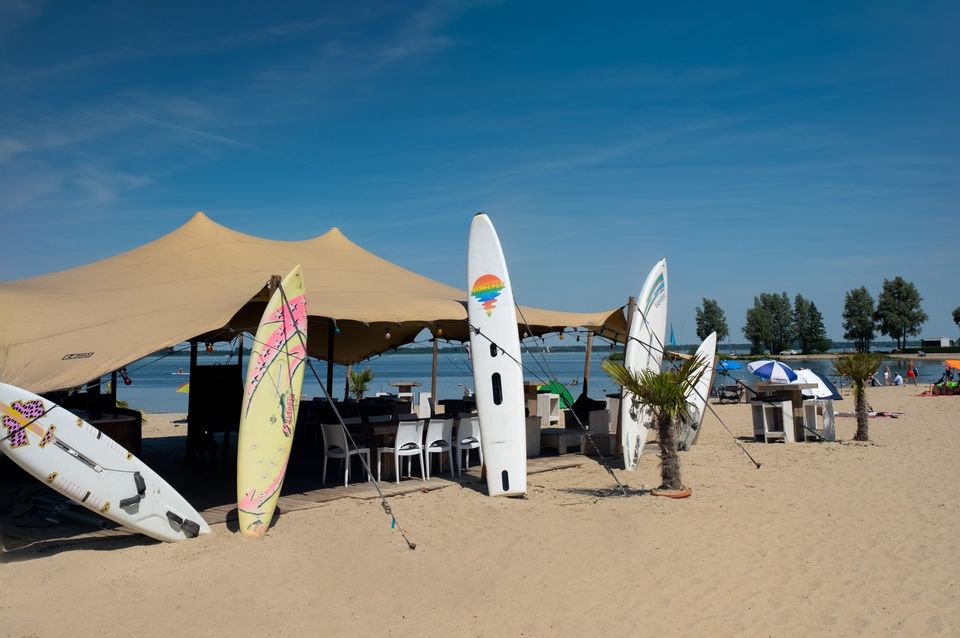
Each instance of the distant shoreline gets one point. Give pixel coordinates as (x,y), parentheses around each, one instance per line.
(741,351)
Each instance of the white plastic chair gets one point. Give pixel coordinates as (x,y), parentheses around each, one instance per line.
(408,442)
(336,446)
(440,440)
(468,438)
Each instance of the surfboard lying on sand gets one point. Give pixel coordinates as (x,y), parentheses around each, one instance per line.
(644,351)
(697,394)
(63,451)
(271,398)
(495,354)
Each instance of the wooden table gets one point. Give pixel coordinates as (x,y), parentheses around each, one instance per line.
(125,429)
(792,392)
(405,388)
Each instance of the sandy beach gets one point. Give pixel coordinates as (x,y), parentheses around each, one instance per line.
(824,539)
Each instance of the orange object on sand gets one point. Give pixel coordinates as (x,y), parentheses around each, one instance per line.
(684,493)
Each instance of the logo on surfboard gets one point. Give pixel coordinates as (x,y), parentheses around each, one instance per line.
(656,294)
(486,289)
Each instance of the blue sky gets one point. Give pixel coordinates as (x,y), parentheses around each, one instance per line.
(760,148)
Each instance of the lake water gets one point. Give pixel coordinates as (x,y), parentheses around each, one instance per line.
(155,382)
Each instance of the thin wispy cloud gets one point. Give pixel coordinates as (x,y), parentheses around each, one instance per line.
(598,141)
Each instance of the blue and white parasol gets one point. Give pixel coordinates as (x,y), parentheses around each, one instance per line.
(772,370)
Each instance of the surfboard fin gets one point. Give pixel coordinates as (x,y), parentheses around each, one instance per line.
(191,529)
(141,491)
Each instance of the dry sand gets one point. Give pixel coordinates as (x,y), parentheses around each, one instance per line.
(824,539)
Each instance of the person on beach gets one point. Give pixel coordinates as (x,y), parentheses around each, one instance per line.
(911,372)
(898,380)
(886,376)
(947,383)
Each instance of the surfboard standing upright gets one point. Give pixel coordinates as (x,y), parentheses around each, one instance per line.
(697,394)
(644,351)
(271,397)
(495,354)
(65,452)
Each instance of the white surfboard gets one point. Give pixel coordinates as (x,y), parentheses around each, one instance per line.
(697,394)
(644,351)
(63,451)
(495,353)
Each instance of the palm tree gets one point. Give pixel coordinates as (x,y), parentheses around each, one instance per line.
(359,381)
(664,394)
(859,367)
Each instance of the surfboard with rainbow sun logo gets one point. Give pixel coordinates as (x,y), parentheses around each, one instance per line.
(495,355)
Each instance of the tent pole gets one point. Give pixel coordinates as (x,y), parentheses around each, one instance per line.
(433,377)
(631,306)
(586,365)
(346,383)
(330,336)
(240,356)
(194,435)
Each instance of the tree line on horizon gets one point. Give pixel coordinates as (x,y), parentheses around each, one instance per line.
(773,324)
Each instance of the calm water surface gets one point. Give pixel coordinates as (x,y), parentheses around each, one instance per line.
(155,381)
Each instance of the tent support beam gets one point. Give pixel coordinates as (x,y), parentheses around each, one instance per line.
(586,365)
(433,377)
(330,338)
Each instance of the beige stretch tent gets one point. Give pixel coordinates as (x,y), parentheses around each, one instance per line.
(205,280)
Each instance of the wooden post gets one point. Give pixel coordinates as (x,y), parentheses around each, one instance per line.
(240,357)
(194,429)
(433,377)
(330,335)
(586,365)
(631,308)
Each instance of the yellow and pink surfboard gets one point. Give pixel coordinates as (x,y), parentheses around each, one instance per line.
(271,397)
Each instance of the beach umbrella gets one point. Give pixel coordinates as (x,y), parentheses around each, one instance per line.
(824,390)
(772,370)
(555,387)
(727,365)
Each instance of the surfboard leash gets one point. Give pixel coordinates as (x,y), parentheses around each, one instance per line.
(545,367)
(394,523)
(659,347)
(757,394)
(583,429)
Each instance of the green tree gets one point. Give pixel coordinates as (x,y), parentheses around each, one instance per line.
(359,380)
(858,367)
(956,316)
(769,323)
(759,329)
(858,325)
(899,314)
(808,328)
(665,394)
(711,318)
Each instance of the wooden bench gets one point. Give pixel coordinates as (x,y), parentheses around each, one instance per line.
(560,439)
